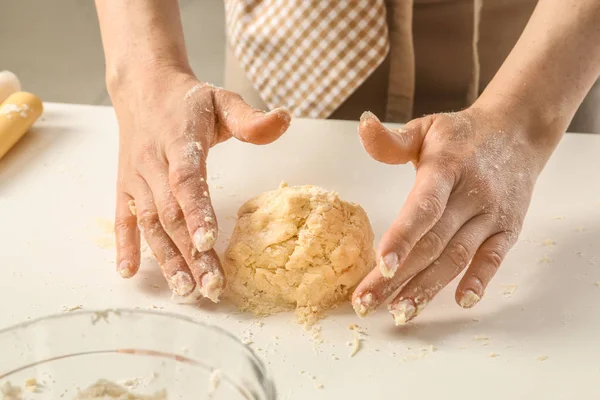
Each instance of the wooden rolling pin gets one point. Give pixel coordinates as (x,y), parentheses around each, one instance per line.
(17,113)
(9,84)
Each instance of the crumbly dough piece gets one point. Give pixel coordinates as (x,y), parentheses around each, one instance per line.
(300,248)
(107,390)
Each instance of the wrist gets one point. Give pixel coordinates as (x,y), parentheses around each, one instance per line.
(539,124)
(141,72)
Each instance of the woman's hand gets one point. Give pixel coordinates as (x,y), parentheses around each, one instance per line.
(476,170)
(168,121)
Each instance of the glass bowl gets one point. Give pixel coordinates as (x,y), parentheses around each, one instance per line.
(149,354)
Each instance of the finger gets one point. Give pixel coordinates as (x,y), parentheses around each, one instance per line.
(172,220)
(423,208)
(208,272)
(377,288)
(246,123)
(392,146)
(169,258)
(485,263)
(421,289)
(187,182)
(127,236)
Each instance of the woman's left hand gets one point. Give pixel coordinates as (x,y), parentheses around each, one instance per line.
(476,170)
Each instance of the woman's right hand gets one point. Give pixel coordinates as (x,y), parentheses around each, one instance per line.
(168,121)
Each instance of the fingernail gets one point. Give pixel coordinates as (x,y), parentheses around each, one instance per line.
(125,269)
(282,113)
(181,283)
(204,239)
(364,304)
(469,299)
(388,265)
(403,311)
(366,115)
(212,286)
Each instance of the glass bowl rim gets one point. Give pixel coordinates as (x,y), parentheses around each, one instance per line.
(137,312)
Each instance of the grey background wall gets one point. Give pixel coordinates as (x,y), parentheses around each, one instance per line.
(54,46)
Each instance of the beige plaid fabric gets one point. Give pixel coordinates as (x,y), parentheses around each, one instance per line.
(307,55)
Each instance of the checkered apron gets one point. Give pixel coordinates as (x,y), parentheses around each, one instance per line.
(307,55)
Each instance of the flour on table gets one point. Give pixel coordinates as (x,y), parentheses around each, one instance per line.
(299,248)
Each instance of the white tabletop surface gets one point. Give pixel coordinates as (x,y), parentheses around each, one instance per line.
(56,251)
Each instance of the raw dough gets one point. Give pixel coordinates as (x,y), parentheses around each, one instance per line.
(297,248)
(106,390)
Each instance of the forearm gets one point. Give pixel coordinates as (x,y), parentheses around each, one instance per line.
(552,66)
(140,34)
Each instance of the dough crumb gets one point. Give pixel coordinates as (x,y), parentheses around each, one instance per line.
(355,346)
(549,242)
(597,283)
(215,381)
(213,286)
(317,331)
(71,309)
(509,290)
(104,389)
(469,299)
(541,358)
(297,248)
(428,349)
(32,386)
(11,392)
(484,339)
(132,209)
(356,328)
(494,355)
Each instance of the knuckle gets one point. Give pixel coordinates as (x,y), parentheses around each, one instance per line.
(235,97)
(511,238)
(172,215)
(149,220)
(402,244)
(489,187)
(459,256)
(122,224)
(146,154)
(182,176)
(432,243)
(492,257)
(431,205)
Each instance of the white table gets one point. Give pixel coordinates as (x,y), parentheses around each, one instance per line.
(57,195)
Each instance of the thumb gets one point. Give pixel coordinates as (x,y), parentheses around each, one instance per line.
(246,123)
(391,146)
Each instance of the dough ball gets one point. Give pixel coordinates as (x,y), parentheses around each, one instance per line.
(297,248)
